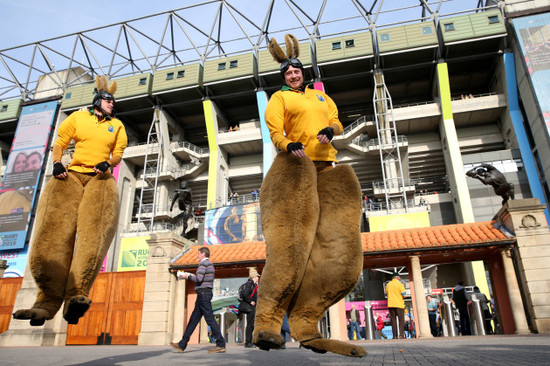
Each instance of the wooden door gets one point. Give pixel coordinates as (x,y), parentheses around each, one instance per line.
(8,292)
(115,314)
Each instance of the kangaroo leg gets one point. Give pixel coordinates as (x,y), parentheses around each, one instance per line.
(289,214)
(335,263)
(97,219)
(52,247)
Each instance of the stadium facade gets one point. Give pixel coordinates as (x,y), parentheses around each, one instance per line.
(426,91)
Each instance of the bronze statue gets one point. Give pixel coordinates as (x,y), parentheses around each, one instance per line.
(489,175)
(185,203)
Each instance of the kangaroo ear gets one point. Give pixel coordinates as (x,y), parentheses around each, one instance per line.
(101,82)
(112,88)
(292,46)
(276,51)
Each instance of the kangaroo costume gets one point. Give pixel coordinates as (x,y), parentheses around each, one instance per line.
(82,202)
(310,213)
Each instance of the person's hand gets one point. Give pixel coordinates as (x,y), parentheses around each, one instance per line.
(102,167)
(59,171)
(325,135)
(252,303)
(296,149)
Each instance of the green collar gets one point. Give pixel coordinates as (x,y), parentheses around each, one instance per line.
(286,87)
(92,113)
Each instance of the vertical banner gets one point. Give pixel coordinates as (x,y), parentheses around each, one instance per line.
(23,169)
(533,33)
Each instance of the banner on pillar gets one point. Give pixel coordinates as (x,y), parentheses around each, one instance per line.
(23,170)
(233,224)
(533,33)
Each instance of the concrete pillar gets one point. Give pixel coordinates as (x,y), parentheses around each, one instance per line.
(422,320)
(520,320)
(338,326)
(531,256)
(159,300)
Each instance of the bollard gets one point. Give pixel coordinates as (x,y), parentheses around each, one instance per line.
(449,317)
(478,315)
(369,321)
(3,267)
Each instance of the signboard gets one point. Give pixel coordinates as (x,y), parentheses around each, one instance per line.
(133,254)
(23,169)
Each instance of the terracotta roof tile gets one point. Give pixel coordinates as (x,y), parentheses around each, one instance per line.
(478,233)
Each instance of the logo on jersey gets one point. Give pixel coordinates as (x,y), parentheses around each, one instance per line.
(320,97)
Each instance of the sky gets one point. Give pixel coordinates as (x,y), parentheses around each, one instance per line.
(27,21)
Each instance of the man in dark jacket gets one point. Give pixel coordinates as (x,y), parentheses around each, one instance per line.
(248,305)
(460,298)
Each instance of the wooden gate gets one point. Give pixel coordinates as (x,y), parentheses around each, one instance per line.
(8,291)
(115,314)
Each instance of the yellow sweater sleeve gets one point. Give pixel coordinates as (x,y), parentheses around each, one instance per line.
(275,120)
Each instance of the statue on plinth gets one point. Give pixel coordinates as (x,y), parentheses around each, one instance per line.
(184,199)
(489,175)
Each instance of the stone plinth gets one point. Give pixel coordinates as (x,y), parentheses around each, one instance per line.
(532,256)
(164,296)
(21,333)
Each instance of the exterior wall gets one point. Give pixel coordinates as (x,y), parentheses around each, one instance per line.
(177,77)
(244,66)
(362,46)
(10,109)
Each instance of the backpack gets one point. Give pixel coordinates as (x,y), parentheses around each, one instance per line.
(243,289)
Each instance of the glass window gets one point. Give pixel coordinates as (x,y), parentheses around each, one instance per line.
(68,95)
(170,76)
(181,74)
(493,19)
(4,108)
(427,30)
(233,63)
(350,43)
(384,37)
(221,66)
(449,27)
(142,81)
(336,46)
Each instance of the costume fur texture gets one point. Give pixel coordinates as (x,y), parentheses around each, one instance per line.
(311,224)
(84,207)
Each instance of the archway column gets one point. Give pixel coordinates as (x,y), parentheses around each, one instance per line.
(520,320)
(419,301)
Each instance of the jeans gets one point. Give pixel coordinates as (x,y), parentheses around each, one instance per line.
(354,327)
(203,307)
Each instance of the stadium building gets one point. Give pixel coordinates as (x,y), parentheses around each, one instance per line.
(426,91)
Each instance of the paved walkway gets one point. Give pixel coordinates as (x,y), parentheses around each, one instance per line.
(486,351)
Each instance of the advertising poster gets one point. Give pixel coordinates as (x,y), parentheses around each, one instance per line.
(133,254)
(23,169)
(233,224)
(533,33)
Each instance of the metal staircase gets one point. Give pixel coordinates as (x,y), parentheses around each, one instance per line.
(151,168)
(393,187)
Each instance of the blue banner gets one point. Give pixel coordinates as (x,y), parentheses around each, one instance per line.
(23,169)
(233,224)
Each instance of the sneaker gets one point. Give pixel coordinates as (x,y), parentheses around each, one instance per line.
(249,345)
(177,347)
(217,350)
